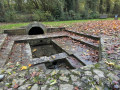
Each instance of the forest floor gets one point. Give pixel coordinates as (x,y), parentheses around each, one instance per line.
(4,26)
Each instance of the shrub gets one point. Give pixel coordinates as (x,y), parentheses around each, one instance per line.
(38,15)
(42,16)
(10,16)
(24,17)
(77,16)
(94,15)
(48,16)
(71,14)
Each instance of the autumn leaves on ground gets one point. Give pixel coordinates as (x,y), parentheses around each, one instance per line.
(108,27)
(101,28)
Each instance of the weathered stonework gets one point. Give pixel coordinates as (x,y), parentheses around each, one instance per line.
(25,30)
(102,75)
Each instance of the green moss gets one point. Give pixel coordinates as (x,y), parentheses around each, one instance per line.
(97,65)
(117,67)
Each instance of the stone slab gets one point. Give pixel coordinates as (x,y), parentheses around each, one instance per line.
(86,43)
(85,62)
(5,53)
(2,39)
(49,59)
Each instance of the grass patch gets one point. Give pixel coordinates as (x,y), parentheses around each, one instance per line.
(52,24)
(12,26)
(59,23)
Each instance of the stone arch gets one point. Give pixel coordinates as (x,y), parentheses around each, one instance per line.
(36,28)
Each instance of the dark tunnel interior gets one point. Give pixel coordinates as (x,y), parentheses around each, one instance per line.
(35,31)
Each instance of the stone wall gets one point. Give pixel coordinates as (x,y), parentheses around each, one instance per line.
(54,29)
(22,31)
(19,31)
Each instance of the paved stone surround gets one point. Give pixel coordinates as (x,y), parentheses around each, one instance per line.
(104,75)
(2,39)
(5,51)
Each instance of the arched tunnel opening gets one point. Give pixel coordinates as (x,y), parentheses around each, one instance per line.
(35,31)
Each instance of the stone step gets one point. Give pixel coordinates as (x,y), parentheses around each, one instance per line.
(51,58)
(74,62)
(21,53)
(6,51)
(2,39)
(71,61)
(85,35)
(81,37)
(64,48)
(83,61)
(16,53)
(58,56)
(27,38)
(92,45)
(26,54)
(71,47)
(68,48)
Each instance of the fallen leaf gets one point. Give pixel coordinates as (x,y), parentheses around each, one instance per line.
(109,52)
(53,82)
(23,68)
(76,88)
(18,63)
(34,50)
(97,88)
(33,74)
(16,86)
(29,87)
(110,63)
(53,73)
(29,65)
(53,57)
